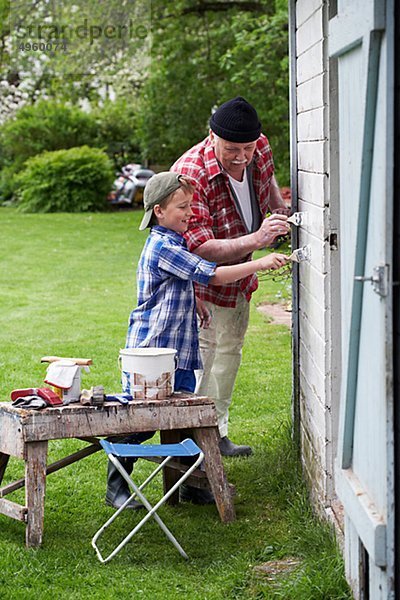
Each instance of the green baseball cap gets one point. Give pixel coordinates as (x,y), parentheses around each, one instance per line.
(157,188)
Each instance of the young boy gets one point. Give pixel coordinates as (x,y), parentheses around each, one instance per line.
(166,313)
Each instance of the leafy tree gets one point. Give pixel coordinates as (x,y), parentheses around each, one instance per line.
(258,64)
(205,53)
(185,75)
(71,50)
(116,130)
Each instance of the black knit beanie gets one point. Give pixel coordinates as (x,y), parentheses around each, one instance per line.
(236,121)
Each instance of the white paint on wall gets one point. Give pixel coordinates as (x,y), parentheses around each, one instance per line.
(310,93)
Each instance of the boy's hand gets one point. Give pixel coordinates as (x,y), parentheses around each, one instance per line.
(203,313)
(273,261)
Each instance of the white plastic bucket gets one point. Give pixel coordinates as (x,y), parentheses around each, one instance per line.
(148,372)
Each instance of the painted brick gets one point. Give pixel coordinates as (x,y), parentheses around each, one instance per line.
(313,187)
(311,156)
(315,219)
(310,63)
(310,32)
(311,125)
(313,419)
(308,391)
(313,470)
(313,279)
(316,344)
(304,10)
(314,309)
(309,366)
(310,94)
(319,250)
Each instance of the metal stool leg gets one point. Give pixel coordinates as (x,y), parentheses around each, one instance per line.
(137,493)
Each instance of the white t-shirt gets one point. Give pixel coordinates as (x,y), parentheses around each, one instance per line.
(242,192)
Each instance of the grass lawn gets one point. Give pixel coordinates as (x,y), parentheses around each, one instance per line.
(67,287)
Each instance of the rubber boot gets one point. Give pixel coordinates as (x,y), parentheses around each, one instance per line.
(228,448)
(118,490)
(188,493)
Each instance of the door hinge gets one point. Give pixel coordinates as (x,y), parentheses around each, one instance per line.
(379,279)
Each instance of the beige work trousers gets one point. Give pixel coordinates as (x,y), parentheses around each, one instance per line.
(221,351)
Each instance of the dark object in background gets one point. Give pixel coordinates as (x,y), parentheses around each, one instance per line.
(129,186)
(287,197)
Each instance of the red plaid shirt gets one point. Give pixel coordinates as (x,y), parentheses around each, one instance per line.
(215,215)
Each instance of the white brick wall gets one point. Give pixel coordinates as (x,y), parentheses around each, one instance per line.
(311,156)
(310,124)
(310,94)
(310,31)
(315,220)
(312,188)
(305,9)
(310,63)
(314,305)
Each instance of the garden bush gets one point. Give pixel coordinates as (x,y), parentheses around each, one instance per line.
(46,125)
(7,183)
(51,125)
(74,180)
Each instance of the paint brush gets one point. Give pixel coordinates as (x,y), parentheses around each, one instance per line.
(301,254)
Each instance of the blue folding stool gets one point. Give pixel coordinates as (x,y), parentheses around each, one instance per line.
(115,451)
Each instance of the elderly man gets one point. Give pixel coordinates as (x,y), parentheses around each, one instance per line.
(235,188)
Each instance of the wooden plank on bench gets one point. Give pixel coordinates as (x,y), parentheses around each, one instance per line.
(114,418)
(11,440)
(13,510)
(53,467)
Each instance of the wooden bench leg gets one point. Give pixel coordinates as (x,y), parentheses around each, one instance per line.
(3,464)
(171,476)
(208,438)
(35,489)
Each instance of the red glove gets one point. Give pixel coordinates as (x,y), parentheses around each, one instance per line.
(52,399)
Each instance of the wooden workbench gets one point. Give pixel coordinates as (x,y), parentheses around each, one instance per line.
(25,434)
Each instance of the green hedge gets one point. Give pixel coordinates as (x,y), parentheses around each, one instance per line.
(51,125)
(45,126)
(74,180)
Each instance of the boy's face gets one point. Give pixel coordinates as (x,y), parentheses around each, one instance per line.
(177,212)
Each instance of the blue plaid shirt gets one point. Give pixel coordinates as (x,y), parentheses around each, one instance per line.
(166,315)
